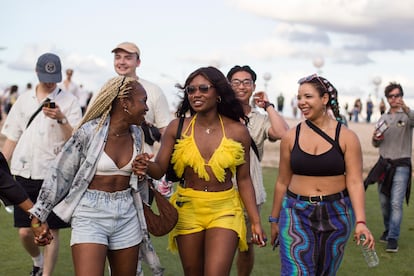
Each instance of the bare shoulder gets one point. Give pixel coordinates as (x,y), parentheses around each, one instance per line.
(348,134)
(234,129)
(348,138)
(289,136)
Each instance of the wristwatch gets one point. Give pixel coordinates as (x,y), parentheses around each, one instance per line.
(267,104)
(62,121)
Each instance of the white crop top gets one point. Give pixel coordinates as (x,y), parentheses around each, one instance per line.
(106,166)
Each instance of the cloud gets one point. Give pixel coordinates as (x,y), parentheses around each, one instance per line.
(346,31)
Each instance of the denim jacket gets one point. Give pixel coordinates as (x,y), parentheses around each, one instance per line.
(73,170)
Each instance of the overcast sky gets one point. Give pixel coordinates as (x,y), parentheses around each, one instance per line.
(357,40)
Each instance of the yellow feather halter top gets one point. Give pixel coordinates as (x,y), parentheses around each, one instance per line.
(228,155)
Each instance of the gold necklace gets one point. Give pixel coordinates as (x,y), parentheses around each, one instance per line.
(119,134)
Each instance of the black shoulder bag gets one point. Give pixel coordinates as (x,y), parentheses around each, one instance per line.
(170,175)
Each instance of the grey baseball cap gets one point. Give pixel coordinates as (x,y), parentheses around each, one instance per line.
(48,68)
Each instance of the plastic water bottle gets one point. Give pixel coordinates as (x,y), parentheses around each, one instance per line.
(371,257)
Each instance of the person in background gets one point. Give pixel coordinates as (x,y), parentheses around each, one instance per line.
(11,98)
(357,110)
(29,88)
(382,107)
(91,183)
(393,170)
(294,105)
(214,146)
(280,103)
(269,126)
(370,109)
(127,58)
(319,194)
(69,85)
(35,132)
(83,98)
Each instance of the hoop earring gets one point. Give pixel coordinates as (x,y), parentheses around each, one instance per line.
(219,99)
(127,111)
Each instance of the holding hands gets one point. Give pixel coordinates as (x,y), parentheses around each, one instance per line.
(42,235)
(140,164)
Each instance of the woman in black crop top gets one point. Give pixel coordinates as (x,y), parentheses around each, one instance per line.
(319,194)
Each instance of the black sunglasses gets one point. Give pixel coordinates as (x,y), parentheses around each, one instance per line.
(191,89)
(394,96)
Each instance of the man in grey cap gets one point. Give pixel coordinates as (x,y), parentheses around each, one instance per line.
(126,61)
(36,128)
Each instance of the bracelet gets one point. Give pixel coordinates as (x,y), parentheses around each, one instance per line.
(361,221)
(36,225)
(274,220)
(267,104)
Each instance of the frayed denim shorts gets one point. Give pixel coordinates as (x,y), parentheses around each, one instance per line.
(106,218)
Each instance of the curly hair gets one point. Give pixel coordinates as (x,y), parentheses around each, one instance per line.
(229,105)
(114,89)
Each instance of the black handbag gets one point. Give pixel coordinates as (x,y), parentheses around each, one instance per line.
(170,175)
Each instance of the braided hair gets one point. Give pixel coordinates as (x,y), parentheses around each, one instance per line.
(116,88)
(324,86)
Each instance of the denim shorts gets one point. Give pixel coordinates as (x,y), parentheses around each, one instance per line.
(106,218)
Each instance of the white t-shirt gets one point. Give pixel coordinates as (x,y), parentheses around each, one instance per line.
(43,139)
(159,111)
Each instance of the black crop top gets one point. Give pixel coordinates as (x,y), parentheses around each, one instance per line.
(329,163)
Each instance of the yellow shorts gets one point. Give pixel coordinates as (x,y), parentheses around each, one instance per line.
(200,210)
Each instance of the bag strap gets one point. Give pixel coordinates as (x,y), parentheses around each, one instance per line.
(325,136)
(37,112)
(254,147)
(179,128)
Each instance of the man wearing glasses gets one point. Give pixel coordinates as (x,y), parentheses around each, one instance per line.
(270,126)
(393,137)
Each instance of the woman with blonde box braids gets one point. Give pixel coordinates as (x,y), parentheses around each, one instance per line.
(92,186)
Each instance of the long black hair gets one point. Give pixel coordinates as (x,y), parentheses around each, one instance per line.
(228,106)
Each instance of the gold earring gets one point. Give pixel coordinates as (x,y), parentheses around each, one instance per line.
(219,99)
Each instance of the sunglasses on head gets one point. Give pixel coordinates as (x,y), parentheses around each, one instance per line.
(394,96)
(310,78)
(203,88)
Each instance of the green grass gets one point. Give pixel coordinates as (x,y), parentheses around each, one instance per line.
(15,261)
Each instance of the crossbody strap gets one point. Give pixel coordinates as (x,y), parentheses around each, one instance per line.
(37,112)
(335,144)
(254,147)
(40,108)
(179,129)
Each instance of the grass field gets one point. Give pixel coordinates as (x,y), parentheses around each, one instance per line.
(15,261)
